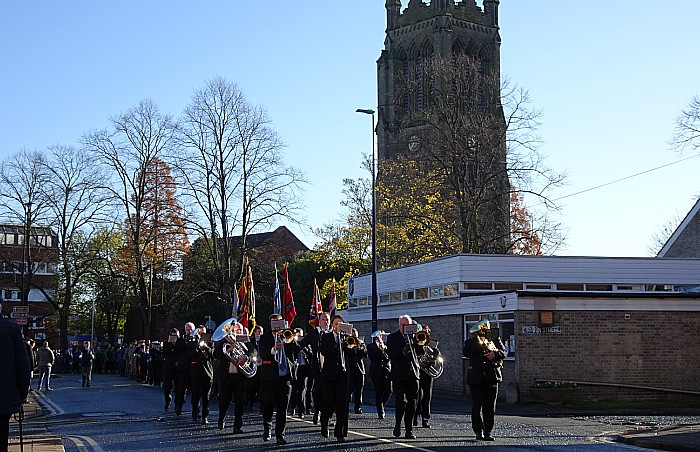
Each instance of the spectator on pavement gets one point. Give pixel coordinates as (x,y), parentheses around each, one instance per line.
(44,361)
(14,377)
(87,357)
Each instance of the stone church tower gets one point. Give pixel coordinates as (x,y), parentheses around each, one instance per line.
(441,30)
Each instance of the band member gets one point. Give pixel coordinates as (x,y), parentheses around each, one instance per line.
(302,357)
(313,339)
(170,358)
(404,376)
(483,374)
(184,363)
(155,365)
(356,369)
(232,383)
(425,389)
(275,383)
(334,381)
(254,382)
(379,371)
(201,374)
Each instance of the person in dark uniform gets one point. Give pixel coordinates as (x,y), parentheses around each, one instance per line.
(184,364)
(404,376)
(253,391)
(379,371)
(483,375)
(425,388)
(155,364)
(300,385)
(334,381)
(201,374)
(275,382)
(356,369)
(87,357)
(170,358)
(233,384)
(313,340)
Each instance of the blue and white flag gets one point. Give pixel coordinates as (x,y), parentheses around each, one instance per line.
(276,300)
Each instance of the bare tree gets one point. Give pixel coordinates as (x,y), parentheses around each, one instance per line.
(687,131)
(479,139)
(76,202)
(236,178)
(127,151)
(24,204)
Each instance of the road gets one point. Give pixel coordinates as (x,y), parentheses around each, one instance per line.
(119,414)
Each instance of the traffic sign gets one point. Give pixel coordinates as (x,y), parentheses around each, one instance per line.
(20,311)
(21,321)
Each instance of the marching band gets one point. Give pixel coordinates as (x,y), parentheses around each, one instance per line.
(292,373)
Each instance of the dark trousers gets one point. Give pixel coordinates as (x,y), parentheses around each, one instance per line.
(317,391)
(233,387)
(183,382)
(201,388)
(335,399)
(4,431)
(87,375)
(355,389)
(425,394)
(299,389)
(483,401)
(170,383)
(382,392)
(274,395)
(406,392)
(253,391)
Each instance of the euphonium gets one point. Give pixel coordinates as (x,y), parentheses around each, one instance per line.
(235,351)
(431,362)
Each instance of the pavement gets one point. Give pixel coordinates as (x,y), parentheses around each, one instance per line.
(678,438)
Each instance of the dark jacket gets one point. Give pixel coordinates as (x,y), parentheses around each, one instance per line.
(184,347)
(313,339)
(331,350)
(87,357)
(169,358)
(201,359)
(404,362)
(481,369)
(268,367)
(379,363)
(356,356)
(15,373)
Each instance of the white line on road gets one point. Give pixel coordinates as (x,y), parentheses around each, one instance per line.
(80,441)
(384,440)
(47,403)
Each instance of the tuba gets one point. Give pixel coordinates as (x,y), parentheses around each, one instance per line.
(235,351)
(431,361)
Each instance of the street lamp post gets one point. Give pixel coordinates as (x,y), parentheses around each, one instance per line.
(375,297)
(25,254)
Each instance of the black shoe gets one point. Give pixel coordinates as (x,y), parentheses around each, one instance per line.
(167,405)
(397,431)
(426,424)
(281,440)
(358,410)
(315,418)
(324,432)
(87,385)
(415,422)
(205,421)
(266,435)
(479,436)
(300,415)
(237,431)
(410,435)
(178,410)
(340,439)
(488,437)
(222,424)
(380,415)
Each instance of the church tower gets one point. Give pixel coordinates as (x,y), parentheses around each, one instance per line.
(450,33)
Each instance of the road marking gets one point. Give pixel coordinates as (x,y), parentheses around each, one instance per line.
(80,441)
(54,408)
(383,440)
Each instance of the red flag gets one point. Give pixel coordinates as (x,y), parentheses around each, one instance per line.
(289,311)
(316,308)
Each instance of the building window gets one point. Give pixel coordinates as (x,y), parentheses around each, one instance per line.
(451,290)
(408,295)
(568,286)
(422,293)
(363,301)
(394,297)
(478,286)
(629,287)
(437,292)
(599,287)
(503,324)
(508,286)
(384,298)
(538,286)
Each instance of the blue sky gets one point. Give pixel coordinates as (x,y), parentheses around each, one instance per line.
(610,77)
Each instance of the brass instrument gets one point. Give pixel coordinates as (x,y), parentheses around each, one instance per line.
(351,342)
(431,362)
(286,335)
(421,337)
(235,351)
